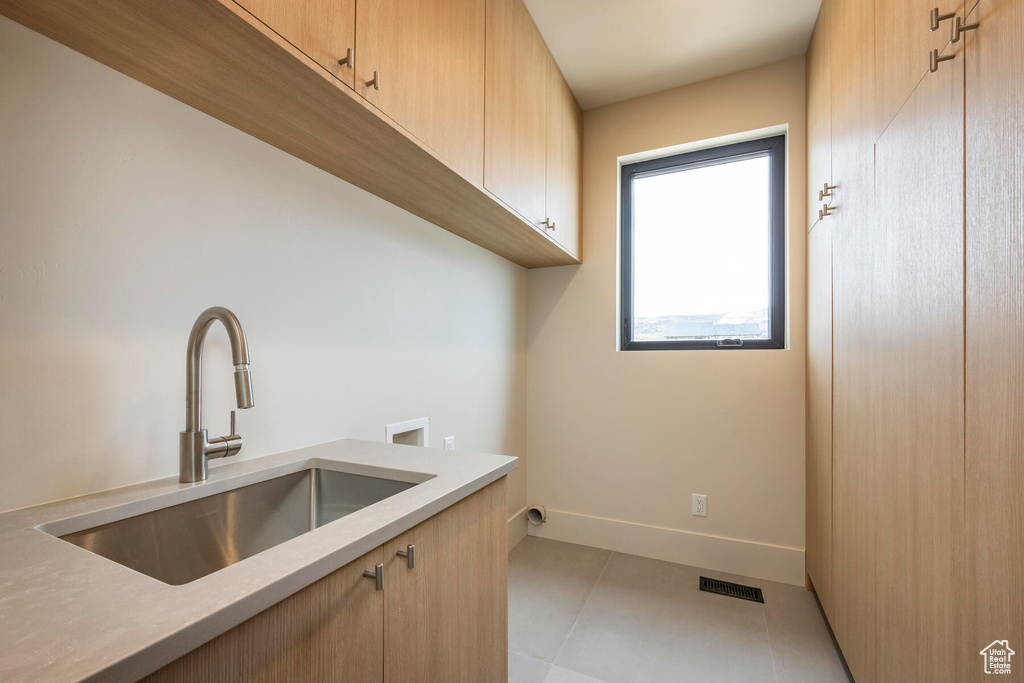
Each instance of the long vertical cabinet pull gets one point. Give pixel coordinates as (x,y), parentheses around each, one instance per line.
(377,575)
(409,554)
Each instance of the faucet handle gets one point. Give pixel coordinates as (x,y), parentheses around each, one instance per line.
(224,446)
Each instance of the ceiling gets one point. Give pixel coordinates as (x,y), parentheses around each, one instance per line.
(612,50)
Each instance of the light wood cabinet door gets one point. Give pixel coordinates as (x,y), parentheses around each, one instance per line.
(819,412)
(331,630)
(819,112)
(903,39)
(445,619)
(515,119)
(919,399)
(429,55)
(323,29)
(994,487)
(856,330)
(564,160)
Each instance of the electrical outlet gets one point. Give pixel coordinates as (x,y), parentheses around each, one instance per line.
(700,505)
(449,443)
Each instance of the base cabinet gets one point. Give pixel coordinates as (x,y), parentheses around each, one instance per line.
(445,618)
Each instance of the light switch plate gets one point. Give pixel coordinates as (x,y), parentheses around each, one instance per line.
(449,443)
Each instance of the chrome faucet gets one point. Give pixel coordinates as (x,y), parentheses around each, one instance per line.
(195,447)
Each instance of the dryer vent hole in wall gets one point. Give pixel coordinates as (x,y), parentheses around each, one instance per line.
(733,590)
(537,514)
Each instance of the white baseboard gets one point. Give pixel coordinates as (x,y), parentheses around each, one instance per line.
(516,528)
(747,558)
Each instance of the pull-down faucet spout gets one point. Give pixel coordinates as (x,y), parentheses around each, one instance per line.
(195,447)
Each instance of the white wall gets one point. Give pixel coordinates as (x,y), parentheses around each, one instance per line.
(619,440)
(124,214)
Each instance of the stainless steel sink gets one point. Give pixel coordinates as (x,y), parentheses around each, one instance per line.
(185,542)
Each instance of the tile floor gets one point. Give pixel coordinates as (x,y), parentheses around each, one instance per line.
(583,615)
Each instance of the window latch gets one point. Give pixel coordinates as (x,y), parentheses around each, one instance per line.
(730,342)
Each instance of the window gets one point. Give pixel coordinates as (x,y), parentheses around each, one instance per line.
(703,249)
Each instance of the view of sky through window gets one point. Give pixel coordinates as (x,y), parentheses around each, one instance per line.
(701,245)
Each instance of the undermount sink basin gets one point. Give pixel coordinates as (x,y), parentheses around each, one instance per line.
(182,543)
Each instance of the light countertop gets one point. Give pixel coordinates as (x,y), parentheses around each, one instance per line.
(67,614)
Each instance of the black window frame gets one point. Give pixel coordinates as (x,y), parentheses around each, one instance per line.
(775,148)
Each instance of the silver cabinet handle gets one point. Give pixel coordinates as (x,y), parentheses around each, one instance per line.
(959,28)
(375,82)
(826,210)
(934,60)
(347,59)
(410,554)
(827,192)
(934,18)
(547,224)
(377,574)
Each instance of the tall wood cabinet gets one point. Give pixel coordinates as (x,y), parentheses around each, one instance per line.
(921,302)
(819,411)
(994,428)
(920,403)
(856,363)
(904,38)
(819,113)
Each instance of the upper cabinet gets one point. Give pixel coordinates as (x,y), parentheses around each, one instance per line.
(323,29)
(564,161)
(515,131)
(441,107)
(421,62)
